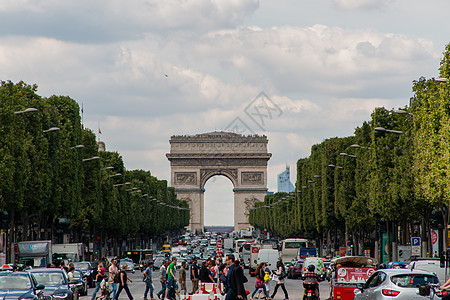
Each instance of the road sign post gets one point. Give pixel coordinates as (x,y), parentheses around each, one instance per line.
(415,246)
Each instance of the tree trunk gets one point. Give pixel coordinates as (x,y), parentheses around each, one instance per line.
(11,236)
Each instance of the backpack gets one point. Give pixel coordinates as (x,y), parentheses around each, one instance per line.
(282,275)
(117,278)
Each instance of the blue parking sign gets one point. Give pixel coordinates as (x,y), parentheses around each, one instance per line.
(415,241)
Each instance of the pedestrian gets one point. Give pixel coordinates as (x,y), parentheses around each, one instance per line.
(163,280)
(98,279)
(182,278)
(281,274)
(123,284)
(148,281)
(234,280)
(70,274)
(113,270)
(171,279)
(260,273)
(194,276)
(205,272)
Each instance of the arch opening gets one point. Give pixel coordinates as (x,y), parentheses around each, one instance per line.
(219,201)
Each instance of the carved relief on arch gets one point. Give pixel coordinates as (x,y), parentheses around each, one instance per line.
(185,178)
(205,174)
(191,209)
(249,203)
(252,178)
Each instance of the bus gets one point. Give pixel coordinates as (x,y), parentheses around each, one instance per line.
(269,244)
(140,255)
(290,248)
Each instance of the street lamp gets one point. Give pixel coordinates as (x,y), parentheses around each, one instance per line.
(120,184)
(346,154)
(52,129)
(77,147)
(91,158)
(402,112)
(358,146)
(444,80)
(31,109)
(115,175)
(107,168)
(388,130)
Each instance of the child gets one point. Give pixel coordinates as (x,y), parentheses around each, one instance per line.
(105,289)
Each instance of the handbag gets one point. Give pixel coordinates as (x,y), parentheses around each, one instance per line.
(259,284)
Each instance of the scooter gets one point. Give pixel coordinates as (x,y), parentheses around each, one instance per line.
(310,287)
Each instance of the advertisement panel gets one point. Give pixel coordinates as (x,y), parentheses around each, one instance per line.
(354,275)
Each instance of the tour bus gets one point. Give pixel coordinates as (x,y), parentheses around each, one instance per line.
(290,247)
(238,245)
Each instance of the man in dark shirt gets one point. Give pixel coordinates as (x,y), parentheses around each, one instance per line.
(235,280)
(194,276)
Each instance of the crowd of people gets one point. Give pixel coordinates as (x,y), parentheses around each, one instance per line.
(173,281)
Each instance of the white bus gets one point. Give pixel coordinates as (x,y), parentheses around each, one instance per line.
(290,247)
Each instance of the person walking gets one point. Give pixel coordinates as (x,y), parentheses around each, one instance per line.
(194,276)
(163,280)
(113,270)
(281,274)
(171,279)
(260,273)
(98,279)
(235,280)
(182,278)
(123,284)
(148,281)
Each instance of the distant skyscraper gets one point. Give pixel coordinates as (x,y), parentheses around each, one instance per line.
(284,181)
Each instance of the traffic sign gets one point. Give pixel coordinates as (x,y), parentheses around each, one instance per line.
(349,243)
(415,241)
(324,246)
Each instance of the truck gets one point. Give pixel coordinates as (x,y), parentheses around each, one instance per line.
(254,250)
(68,252)
(228,244)
(35,253)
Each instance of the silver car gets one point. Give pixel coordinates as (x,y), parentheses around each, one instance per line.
(397,284)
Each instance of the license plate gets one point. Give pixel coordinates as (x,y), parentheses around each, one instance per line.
(309,294)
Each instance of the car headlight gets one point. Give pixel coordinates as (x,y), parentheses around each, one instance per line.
(61,295)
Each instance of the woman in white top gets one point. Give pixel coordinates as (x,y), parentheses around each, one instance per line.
(281,274)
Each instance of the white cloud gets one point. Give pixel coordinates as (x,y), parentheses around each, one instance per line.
(365,4)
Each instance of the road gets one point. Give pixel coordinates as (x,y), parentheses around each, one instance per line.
(293,286)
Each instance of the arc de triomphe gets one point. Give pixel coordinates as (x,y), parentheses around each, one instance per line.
(241,158)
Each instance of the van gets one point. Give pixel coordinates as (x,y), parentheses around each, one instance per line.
(270,256)
(429,265)
(316,262)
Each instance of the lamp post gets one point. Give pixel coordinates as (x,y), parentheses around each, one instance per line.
(31,109)
(388,130)
(52,129)
(91,158)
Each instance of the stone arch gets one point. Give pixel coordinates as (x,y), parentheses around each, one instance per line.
(194,159)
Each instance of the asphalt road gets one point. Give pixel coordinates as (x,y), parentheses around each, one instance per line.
(293,286)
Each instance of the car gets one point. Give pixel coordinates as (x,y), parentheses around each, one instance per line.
(294,271)
(20,285)
(86,268)
(81,283)
(396,284)
(158,263)
(55,282)
(130,265)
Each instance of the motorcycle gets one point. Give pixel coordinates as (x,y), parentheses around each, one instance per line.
(311,287)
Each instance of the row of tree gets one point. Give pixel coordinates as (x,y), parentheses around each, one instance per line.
(51,180)
(391,175)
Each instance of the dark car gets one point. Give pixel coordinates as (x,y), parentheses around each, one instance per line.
(86,268)
(56,283)
(20,285)
(79,283)
(295,270)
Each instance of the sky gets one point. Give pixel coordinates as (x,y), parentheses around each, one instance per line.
(145,70)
